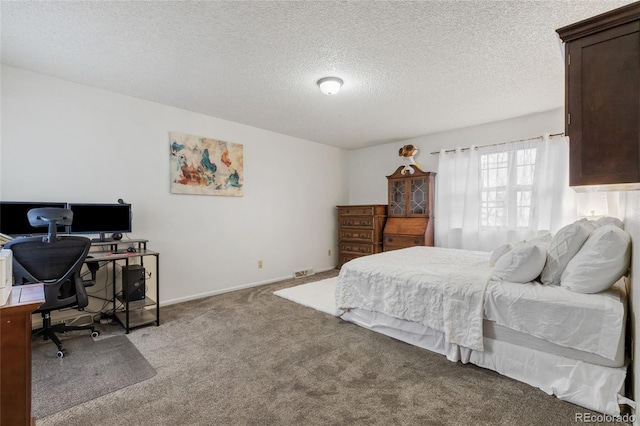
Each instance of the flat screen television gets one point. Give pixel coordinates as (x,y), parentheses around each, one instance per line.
(100,218)
(14,221)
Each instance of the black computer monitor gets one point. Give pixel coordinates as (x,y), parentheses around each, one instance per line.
(91,218)
(14,221)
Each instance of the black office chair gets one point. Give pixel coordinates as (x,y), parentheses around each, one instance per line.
(55,261)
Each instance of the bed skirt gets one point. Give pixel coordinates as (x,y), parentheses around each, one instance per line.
(588,385)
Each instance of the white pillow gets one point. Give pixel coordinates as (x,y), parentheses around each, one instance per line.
(543,240)
(609,220)
(499,252)
(523,264)
(563,246)
(592,225)
(601,261)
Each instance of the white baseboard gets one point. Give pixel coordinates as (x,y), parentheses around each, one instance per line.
(229,289)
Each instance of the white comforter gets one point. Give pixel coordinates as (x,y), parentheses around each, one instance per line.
(440,288)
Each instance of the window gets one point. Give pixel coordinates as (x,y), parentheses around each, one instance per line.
(507,187)
(491,195)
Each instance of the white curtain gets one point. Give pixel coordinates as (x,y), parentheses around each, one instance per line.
(462,216)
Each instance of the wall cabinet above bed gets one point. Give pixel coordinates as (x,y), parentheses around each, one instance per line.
(410,215)
(602,100)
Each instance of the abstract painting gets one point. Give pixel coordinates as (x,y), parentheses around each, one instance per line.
(204,166)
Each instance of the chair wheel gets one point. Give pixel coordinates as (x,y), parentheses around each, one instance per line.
(94,334)
(61,353)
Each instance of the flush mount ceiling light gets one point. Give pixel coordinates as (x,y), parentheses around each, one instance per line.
(330,85)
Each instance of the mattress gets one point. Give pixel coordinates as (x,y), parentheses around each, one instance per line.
(424,337)
(591,323)
(497,332)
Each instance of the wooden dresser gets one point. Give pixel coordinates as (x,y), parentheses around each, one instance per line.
(410,220)
(360,231)
(15,354)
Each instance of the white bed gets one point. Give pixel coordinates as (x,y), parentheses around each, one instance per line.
(568,344)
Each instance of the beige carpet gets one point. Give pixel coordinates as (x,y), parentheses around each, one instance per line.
(252,358)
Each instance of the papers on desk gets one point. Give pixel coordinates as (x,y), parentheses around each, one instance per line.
(6,275)
(4,238)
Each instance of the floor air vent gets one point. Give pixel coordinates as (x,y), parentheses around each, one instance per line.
(303,273)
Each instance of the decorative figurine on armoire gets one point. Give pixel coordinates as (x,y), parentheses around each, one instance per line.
(410,210)
(407,152)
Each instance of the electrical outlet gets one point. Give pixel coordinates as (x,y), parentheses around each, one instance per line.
(259,264)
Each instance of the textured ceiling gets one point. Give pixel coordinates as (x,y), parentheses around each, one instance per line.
(409,68)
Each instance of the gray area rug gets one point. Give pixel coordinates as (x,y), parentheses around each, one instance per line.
(250,357)
(89,370)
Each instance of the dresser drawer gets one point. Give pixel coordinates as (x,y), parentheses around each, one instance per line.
(360,248)
(363,235)
(357,222)
(344,258)
(394,242)
(356,210)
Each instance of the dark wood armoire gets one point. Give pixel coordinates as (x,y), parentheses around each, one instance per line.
(410,210)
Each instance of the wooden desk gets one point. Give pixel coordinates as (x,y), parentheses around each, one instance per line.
(15,354)
(132,313)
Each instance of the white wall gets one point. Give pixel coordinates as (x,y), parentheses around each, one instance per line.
(66,142)
(368,167)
